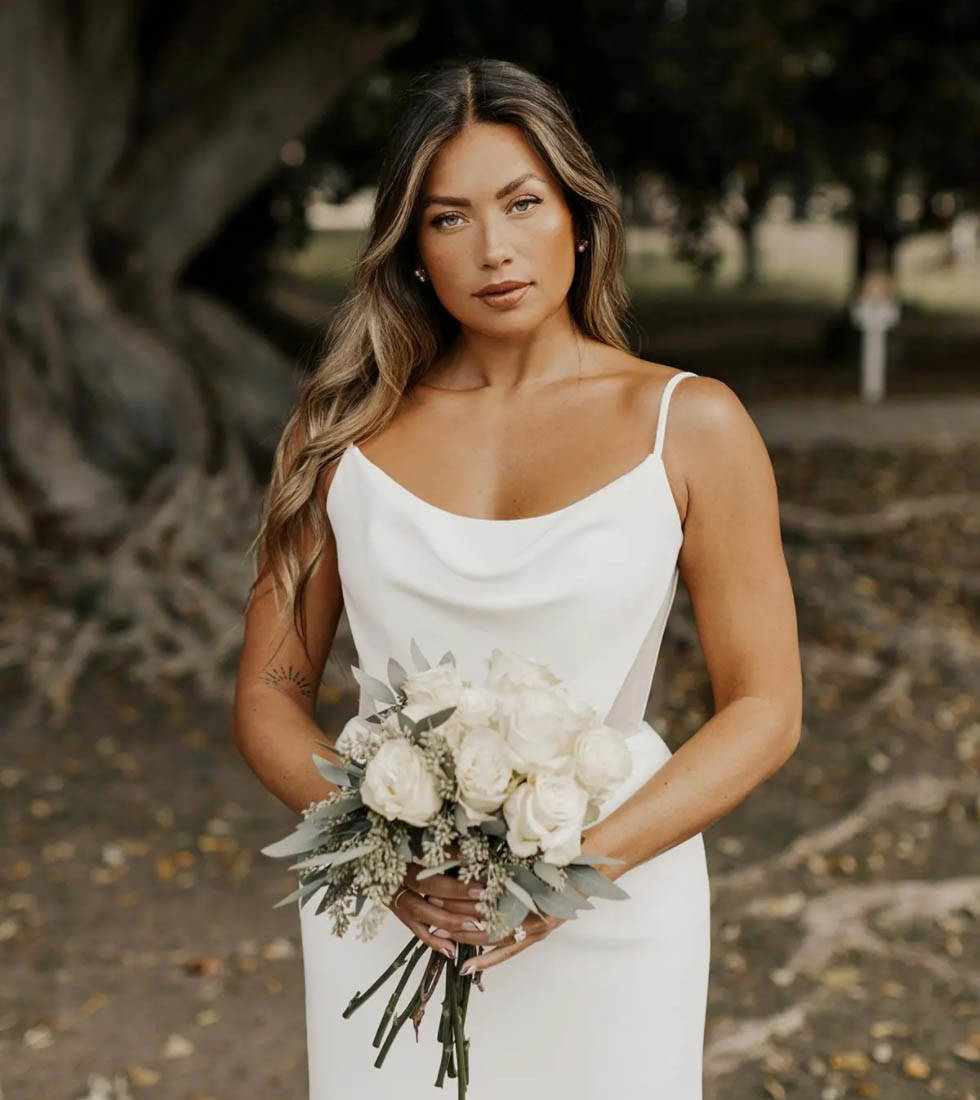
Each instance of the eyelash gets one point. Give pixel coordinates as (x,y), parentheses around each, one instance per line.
(438,222)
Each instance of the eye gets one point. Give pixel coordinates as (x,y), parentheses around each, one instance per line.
(440,220)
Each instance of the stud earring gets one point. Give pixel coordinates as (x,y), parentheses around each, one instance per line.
(580,247)
(420,274)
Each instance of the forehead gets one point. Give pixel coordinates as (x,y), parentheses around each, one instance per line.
(482,158)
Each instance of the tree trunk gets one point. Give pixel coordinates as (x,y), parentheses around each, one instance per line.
(128,134)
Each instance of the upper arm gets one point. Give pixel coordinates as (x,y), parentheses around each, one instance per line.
(732,558)
(273,657)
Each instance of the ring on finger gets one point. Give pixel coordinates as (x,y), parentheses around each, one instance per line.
(520,933)
(403,890)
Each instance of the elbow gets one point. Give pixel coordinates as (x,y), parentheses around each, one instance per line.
(792,732)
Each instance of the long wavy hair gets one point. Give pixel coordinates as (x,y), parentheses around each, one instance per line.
(390,328)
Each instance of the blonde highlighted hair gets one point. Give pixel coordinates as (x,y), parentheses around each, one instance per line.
(391,328)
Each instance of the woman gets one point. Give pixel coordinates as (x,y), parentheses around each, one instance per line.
(480,461)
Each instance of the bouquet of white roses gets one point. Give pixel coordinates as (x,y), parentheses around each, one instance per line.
(505,775)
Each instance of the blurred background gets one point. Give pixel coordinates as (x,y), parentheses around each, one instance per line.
(184,189)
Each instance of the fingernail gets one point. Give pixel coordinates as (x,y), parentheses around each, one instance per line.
(437,901)
(440,932)
(474,925)
(466,968)
(475,892)
(448,952)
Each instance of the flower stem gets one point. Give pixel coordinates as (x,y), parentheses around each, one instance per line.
(410,1008)
(359,998)
(458,1040)
(393,999)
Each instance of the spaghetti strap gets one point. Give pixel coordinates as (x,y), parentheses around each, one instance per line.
(658,444)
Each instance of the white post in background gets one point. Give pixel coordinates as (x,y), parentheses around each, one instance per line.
(874,312)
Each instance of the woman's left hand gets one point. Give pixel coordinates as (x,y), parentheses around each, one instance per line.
(537,926)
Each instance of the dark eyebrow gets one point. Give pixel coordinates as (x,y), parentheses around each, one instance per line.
(449,200)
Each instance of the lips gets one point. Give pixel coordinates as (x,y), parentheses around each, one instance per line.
(506,299)
(500,288)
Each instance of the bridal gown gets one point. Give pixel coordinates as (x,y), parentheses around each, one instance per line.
(611,1004)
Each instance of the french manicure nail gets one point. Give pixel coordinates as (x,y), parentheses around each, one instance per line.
(475,892)
(440,932)
(449,953)
(437,901)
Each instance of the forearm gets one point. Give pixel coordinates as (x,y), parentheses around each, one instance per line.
(734,751)
(278,738)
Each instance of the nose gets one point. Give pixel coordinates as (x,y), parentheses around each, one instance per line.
(495,250)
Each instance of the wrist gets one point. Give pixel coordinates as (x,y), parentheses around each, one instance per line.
(601,840)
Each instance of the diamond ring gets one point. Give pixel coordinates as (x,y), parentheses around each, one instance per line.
(520,933)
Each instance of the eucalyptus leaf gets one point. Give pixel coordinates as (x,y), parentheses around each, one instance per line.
(447,658)
(493,827)
(306,897)
(555,904)
(418,656)
(549,872)
(526,878)
(551,901)
(332,772)
(520,893)
(462,821)
(438,869)
(374,687)
(407,724)
(339,806)
(374,718)
(430,721)
(593,882)
(396,673)
(359,904)
(415,840)
(513,911)
(578,900)
(334,859)
(303,891)
(302,840)
(592,858)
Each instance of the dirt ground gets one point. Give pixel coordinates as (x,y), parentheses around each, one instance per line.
(142,954)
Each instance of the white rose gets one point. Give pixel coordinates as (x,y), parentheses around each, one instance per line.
(540,731)
(438,686)
(510,672)
(475,707)
(355,739)
(483,773)
(398,784)
(546,812)
(602,760)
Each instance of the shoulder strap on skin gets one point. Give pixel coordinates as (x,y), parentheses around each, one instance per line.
(658,443)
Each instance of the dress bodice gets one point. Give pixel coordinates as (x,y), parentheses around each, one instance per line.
(585,589)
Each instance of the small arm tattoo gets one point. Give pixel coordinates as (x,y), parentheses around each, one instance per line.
(274,677)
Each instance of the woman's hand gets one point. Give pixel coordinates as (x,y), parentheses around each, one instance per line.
(440,903)
(537,928)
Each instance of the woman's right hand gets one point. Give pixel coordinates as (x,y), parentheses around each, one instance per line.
(440,903)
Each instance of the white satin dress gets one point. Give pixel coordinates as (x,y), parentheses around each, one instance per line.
(612,1004)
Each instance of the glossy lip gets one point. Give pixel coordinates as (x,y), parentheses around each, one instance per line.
(508,299)
(494,288)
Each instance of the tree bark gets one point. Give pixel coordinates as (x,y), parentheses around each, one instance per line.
(129,134)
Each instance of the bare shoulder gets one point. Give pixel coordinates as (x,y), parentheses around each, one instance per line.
(705,417)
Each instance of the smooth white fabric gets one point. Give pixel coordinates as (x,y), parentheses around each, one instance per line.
(611,1004)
